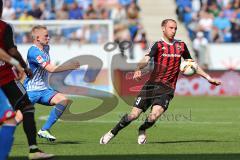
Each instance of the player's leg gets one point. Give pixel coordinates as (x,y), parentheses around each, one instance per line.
(159,106)
(7,137)
(60,103)
(140,105)
(156,112)
(19,116)
(19,99)
(124,122)
(8,126)
(30,128)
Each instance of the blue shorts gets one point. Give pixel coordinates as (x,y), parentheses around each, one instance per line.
(42,97)
(6,111)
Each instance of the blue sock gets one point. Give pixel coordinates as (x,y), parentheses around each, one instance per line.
(54,115)
(6,140)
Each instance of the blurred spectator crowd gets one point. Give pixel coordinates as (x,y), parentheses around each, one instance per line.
(215,21)
(123,13)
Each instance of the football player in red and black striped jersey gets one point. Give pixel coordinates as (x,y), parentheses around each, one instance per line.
(158,91)
(14,90)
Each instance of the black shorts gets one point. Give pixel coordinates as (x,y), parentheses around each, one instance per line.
(154,94)
(17,96)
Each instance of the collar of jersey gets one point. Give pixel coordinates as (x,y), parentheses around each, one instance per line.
(168,42)
(37,47)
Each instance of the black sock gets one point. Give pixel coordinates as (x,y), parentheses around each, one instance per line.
(124,122)
(29,127)
(146,125)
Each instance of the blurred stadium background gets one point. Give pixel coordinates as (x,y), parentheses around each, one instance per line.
(210,28)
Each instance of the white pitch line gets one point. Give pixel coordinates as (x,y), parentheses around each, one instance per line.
(141,121)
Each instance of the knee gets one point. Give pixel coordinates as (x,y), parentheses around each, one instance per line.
(156,113)
(27,108)
(132,117)
(65,101)
(153,117)
(19,116)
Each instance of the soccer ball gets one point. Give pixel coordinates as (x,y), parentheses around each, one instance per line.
(188,67)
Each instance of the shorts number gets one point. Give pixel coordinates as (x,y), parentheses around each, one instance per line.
(138,100)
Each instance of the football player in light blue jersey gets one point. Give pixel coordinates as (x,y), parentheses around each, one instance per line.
(37,88)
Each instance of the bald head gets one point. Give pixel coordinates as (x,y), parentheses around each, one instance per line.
(165,21)
(169,28)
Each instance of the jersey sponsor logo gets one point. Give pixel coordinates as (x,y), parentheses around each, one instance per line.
(39,59)
(171,55)
(179,47)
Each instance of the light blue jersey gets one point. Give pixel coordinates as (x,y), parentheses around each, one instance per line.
(37,60)
(38,89)
(6,111)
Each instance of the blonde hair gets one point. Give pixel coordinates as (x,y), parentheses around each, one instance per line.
(35,28)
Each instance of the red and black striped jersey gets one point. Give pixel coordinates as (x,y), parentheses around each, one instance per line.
(6,42)
(167,59)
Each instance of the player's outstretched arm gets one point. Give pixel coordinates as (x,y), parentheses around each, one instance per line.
(69,66)
(202,73)
(142,64)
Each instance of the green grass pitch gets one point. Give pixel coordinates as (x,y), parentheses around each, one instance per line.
(193,128)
